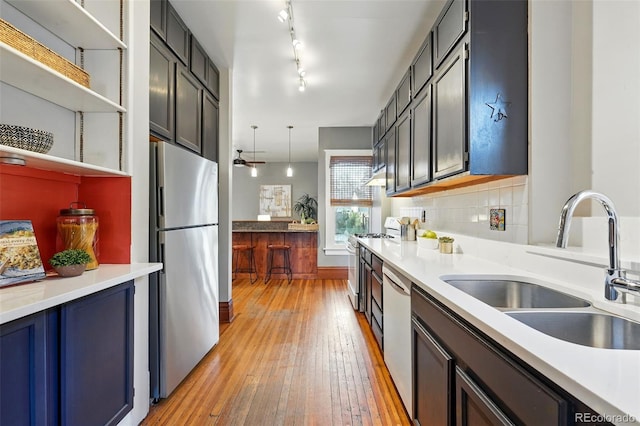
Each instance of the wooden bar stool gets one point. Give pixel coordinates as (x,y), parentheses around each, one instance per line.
(243,248)
(285,267)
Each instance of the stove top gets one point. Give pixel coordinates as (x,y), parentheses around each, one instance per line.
(373,235)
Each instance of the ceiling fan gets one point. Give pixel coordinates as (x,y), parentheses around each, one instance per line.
(239,161)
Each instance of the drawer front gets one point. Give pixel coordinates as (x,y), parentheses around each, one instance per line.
(376,264)
(492,370)
(376,289)
(376,313)
(365,255)
(377,333)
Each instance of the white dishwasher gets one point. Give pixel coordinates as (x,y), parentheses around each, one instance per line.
(396,308)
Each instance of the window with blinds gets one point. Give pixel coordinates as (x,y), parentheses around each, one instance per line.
(347,177)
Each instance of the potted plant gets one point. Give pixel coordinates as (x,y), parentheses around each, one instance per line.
(70,263)
(446,245)
(307,208)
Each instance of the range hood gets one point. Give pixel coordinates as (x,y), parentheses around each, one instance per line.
(378,179)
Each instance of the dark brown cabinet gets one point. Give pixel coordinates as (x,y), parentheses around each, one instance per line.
(371,285)
(450,115)
(480,382)
(199,61)
(379,155)
(381,125)
(449,28)
(473,406)
(188,110)
(162,66)
(403,93)
(390,161)
(177,35)
(213,79)
(210,117)
(422,67)
(403,152)
(421,139)
(432,379)
(390,113)
(157,15)
(469,100)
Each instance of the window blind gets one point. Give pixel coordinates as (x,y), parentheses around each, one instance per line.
(347,177)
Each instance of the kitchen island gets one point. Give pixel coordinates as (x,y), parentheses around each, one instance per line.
(603,380)
(259,234)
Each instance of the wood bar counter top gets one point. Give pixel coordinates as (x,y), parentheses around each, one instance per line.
(303,254)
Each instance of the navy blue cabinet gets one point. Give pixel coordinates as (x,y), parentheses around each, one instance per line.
(96,357)
(70,365)
(28,356)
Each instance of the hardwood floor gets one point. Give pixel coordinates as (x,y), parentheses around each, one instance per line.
(296,354)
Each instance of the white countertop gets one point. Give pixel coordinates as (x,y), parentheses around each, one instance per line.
(606,380)
(24,299)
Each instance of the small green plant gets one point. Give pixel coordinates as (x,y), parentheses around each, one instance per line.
(307,208)
(445,239)
(70,257)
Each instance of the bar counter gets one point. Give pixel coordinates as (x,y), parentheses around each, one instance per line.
(259,234)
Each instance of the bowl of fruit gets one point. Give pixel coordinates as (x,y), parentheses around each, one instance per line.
(427,239)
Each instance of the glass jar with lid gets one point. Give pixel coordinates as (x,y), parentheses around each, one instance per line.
(78,229)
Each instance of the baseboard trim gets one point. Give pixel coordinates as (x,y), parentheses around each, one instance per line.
(226,311)
(333,272)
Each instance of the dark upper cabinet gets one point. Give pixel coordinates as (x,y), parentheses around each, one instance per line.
(97,357)
(158,14)
(379,154)
(498,90)
(382,125)
(162,66)
(473,406)
(390,113)
(450,115)
(403,93)
(390,161)
(421,139)
(432,375)
(210,117)
(188,110)
(422,67)
(177,35)
(403,152)
(449,28)
(199,61)
(28,387)
(213,79)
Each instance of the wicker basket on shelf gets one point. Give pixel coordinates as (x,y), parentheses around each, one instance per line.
(20,41)
(303,227)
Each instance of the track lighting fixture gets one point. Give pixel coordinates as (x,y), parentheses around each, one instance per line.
(287,15)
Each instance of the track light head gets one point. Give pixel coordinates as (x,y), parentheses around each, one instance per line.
(283,15)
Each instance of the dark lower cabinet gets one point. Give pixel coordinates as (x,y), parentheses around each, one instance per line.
(70,365)
(462,377)
(27,356)
(96,357)
(432,379)
(473,406)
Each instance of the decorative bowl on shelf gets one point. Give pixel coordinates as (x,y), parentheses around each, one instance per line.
(26,138)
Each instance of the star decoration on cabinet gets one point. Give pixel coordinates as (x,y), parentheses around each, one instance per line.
(498,108)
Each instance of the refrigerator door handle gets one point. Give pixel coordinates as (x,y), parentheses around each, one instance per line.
(162,259)
(161,204)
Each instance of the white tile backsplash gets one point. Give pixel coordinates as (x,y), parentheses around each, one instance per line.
(466,210)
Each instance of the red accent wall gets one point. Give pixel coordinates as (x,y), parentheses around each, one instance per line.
(38,195)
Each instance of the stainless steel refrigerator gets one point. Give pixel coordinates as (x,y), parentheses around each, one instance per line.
(183,296)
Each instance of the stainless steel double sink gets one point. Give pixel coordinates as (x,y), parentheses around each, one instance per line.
(552,312)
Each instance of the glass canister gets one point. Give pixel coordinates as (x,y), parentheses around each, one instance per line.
(78,229)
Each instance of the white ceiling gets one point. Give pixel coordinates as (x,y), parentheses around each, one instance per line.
(354,51)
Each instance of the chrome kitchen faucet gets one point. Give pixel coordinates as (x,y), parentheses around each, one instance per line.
(616,283)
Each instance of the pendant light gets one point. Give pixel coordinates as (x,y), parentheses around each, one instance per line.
(254,170)
(289,169)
